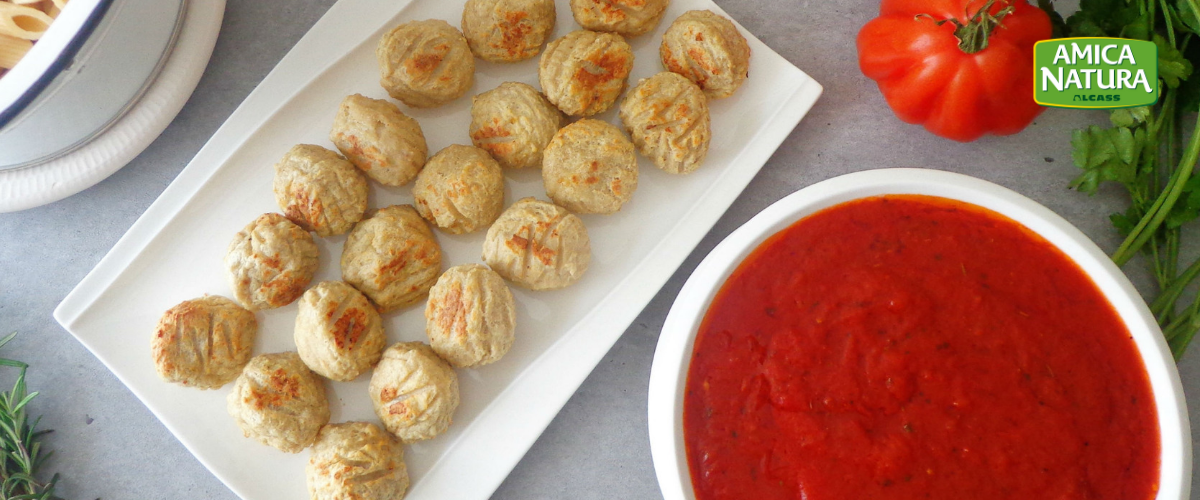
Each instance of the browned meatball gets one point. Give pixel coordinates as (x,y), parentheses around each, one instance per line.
(514,122)
(379,139)
(538,245)
(425,63)
(667,117)
(203,342)
(504,31)
(590,168)
(584,72)
(627,17)
(392,257)
(708,50)
(461,189)
(270,262)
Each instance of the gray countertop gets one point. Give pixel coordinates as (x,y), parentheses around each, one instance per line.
(107,445)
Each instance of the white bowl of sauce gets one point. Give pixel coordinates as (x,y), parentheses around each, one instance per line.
(908,333)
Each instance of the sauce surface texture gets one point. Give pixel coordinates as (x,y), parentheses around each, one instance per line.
(907,347)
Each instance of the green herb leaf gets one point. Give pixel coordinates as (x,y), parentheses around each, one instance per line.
(1187,18)
(1139,29)
(1105,155)
(1082,153)
(1127,150)
(7,339)
(1103,18)
(1187,208)
(1125,222)
(1084,27)
(1129,117)
(1188,97)
(1058,27)
(1172,66)
(1179,216)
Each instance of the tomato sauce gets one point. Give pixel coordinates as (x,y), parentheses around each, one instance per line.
(915,347)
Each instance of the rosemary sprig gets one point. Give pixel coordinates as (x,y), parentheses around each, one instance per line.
(20,447)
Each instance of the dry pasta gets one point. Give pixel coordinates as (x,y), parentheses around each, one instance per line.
(12,49)
(22,21)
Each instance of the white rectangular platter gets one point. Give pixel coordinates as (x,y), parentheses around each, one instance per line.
(174,251)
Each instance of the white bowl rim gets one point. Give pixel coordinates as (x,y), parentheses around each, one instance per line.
(49,56)
(668,373)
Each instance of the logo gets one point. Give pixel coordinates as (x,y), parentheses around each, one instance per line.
(1095,73)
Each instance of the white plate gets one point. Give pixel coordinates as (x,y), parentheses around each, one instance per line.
(672,356)
(174,253)
(93,162)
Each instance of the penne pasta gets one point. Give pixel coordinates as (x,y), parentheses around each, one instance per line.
(22,21)
(12,49)
(50,8)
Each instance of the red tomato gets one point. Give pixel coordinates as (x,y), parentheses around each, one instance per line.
(929,77)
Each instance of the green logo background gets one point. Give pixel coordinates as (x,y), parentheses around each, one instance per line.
(1145,55)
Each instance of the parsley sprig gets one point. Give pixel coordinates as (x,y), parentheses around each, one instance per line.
(1146,150)
(20,441)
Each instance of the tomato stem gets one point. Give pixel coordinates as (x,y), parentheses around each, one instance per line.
(973,36)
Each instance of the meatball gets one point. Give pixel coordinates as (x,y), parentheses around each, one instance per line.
(270,262)
(203,342)
(414,392)
(338,333)
(590,167)
(503,31)
(514,122)
(667,116)
(379,139)
(356,461)
(470,316)
(708,50)
(584,72)
(425,63)
(461,189)
(319,190)
(392,257)
(538,245)
(279,402)
(627,17)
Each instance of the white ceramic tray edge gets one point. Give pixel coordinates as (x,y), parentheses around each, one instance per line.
(235,133)
(664,404)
